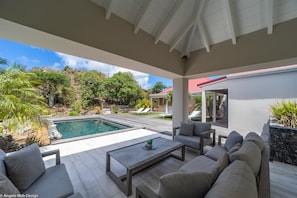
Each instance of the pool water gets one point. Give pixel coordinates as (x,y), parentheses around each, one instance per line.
(78,128)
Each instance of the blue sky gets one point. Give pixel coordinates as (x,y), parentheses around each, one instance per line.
(31,56)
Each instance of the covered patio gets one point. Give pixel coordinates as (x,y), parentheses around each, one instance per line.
(179,40)
(85,161)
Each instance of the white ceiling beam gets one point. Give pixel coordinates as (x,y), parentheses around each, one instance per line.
(181,34)
(269,16)
(203,35)
(109,9)
(186,51)
(201,26)
(167,20)
(230,23)
(141,15)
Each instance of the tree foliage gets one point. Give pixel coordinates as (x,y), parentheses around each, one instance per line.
(123,89)
(19,98)
(53,84)
(158,87)
(92,88)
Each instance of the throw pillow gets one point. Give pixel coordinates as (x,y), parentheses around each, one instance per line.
(201,127)
(216,152)
(232,139)
(7,187)
(186,129)
(254,137)
(235,148)
(190,185)
(251,154)
(24,166)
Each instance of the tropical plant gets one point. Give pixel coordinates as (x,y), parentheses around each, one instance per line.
(158,87)
(20,100)
(52,84)
(145,103)
(286,113)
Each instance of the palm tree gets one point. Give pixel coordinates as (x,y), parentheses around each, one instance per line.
(20,100)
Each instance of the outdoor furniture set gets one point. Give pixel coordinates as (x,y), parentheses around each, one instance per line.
(23,173)
(239,168)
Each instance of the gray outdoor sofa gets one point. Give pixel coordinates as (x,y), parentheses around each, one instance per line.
(23,173)
(240,168)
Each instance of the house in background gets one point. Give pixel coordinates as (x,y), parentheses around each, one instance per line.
(249,96)
(159,99)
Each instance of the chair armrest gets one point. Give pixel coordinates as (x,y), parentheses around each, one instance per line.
(220,139)
(53,152)
(142,191)
(206,133)
(174,132)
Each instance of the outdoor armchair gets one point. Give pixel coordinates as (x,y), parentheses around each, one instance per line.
(195,134)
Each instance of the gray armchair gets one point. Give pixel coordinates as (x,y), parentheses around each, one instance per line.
(195,134)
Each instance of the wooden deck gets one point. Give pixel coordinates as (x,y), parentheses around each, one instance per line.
(85,162)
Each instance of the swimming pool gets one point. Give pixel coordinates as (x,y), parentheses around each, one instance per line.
(85,127)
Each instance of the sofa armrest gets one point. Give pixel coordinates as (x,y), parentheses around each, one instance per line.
(53,152)
(220,139)
(142,191)
(174,132)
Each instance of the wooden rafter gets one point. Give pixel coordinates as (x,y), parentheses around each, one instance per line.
(141,15)
(230,23)
(181,34)
(109,9)
(201,26)
(269,16)
(167,20)
(186,51)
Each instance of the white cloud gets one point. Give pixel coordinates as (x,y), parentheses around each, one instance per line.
(108,70)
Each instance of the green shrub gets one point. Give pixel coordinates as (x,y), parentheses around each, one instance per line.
(145,103)
(286,113)
(74,113)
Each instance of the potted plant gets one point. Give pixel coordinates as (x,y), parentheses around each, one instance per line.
(149,144)
(283,133)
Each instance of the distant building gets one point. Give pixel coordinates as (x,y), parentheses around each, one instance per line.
(249,96)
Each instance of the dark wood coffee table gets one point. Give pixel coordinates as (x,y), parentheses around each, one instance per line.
(135,158)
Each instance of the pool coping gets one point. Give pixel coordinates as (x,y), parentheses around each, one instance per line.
(51,121)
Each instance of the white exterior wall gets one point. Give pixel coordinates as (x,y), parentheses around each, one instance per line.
(251,97)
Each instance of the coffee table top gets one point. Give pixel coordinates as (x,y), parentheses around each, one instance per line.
(134,155)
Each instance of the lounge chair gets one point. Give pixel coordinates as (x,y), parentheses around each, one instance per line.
(195,114)
(144,111)
(139,110)
(166,115)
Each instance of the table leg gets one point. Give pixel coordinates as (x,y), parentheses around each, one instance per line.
(129,182)
(107,162)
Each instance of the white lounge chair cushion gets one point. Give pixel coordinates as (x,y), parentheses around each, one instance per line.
(24,166)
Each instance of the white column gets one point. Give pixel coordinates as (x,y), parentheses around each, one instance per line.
(180,101)
(214,112)
(203,106)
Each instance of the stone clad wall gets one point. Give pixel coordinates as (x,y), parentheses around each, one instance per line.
(283,144)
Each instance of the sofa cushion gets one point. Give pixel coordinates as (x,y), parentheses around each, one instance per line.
(186,129)
(55,182)
(7,187)
(254,137)
(251,154)
(200,127)
(216,152)
(24,166)
(237,180)
(190,185)
(232,139)
(2,165)
(235,148)
(191,141)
